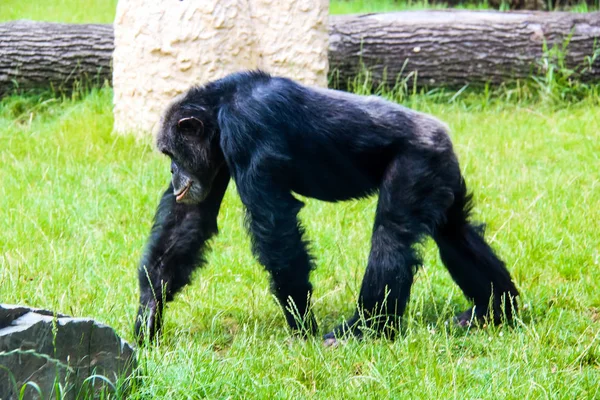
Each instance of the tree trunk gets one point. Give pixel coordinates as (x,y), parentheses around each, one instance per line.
(454,48)
(50,55)
(442,48)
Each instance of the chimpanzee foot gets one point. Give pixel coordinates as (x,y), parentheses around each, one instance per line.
(302,327)
(356,327)
(466,318)
(479,316)
(347,329)
(330,341)
(337,337)
(148,323)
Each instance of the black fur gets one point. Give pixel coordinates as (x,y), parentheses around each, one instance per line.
(275,137)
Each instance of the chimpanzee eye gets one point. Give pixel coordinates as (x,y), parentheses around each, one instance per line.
(190,126)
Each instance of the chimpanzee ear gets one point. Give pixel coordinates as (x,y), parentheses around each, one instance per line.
(190,126)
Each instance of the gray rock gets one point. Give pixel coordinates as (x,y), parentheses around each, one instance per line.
(41,351)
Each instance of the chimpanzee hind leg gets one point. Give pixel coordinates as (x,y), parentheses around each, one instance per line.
(474,266)
(177,241)
(413,197)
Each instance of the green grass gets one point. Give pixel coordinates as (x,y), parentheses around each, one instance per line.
(69,11)
(103,11)
(76,203)
(377,6)
(369,6)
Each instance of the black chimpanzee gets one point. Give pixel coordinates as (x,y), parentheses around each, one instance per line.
(276,137)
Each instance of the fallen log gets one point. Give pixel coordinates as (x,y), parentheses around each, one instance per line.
(51,55)
(454,48)
(443,48)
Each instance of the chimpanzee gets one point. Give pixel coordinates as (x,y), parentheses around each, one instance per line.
(277,138)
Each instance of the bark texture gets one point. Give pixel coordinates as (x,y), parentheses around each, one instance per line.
(454,48)
(43,54)
(444,48)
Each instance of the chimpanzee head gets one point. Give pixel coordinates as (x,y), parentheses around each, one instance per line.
(189,135)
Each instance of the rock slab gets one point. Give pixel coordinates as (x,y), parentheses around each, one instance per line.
(41,350)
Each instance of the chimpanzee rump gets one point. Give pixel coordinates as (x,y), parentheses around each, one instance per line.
(275,137)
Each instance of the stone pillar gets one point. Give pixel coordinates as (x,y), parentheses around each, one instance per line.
(163,48)
(292,38)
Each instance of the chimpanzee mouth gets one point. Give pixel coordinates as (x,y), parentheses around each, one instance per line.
(183,192)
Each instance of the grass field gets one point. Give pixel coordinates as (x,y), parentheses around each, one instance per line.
(103,11)
(76,203)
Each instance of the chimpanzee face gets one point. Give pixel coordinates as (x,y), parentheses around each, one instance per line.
(189,135)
